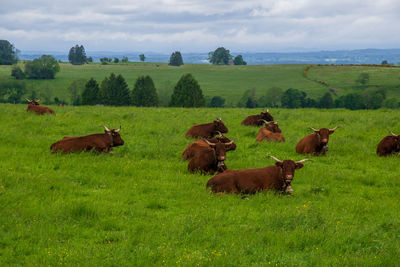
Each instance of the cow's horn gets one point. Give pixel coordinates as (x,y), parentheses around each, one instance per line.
(267,110)
(28,100)
(266,122)
(220,134)
(230,143)
(315,130)
(277,160)
(300,161)
(392,133)
(38,100)
(334,129)
(119,129)
(105,128)
(276,122)
(219,119)
(208,142)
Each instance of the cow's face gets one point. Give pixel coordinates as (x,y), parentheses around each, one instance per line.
(323,134)
(266,116)
(220,126)
(288,167)
(220,150)
(273,127)
(33,102)
(116,137)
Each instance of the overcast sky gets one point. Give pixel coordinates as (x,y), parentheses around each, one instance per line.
(200,25)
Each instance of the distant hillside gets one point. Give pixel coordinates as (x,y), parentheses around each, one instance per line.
(363,56)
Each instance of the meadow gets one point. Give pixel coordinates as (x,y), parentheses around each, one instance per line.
(140,207)
(229,82)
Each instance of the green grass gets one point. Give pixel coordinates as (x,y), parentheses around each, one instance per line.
(140,206)
(227,81)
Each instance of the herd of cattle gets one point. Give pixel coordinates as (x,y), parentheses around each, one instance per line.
(208,153)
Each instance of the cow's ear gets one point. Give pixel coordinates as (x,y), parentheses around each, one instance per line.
(279,164)
(331,132)
(299,165)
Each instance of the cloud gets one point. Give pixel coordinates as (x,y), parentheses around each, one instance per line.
(194,25)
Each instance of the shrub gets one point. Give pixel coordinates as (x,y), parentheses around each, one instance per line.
(187,93)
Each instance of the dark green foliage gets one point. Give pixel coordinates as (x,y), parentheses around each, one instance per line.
(105,60)
(176,59)
(310,103)
(77,55)
(391,103)
(144,93)
(114,91)
(220,56)
(353,101)
(251,103)
(124,59)
(11,91)
(17,73)
(374,99)
(363,79)
(8,54)
(326,101)
(293,98)
(89,60)
(272,98)
(44,67)
(165,91)
(187,93)
(75,90)
(239,60)
(142,57)
(90,95)
(250,93)
(384,62)
(217,102)
(116,60)
(58,101)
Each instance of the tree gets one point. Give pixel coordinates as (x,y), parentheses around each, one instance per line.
(374,99)
(75,90)
(353,101)
(363,79)
(176,59)
(326,101)
(187,93)
(217,102)
(384,62)
(44,67)
(105,60)
(144,93)
(11,91)
(142,57)
(293,98)
(116,60)
(272,98)
(114,91)
(90,95)
(165,91)
(248,94)
(239,60)
(124,59)
(8,54)
(89,60)
(17,73)
(77,55)
(220,56)
(251,103)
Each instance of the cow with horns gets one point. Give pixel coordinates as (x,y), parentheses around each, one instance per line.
(207,130)
(271,132)
(250,181)
(33,106)
(316,143)
(210,159)
(388,145)
(256,120)
(200,145)
(99,142)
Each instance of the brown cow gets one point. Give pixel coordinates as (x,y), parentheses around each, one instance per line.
(256,120)
(251,181)
(207,130)
(200,144)
(271,132)
(33,106)
(98,142)
(210,159)
(316,143)
(389,145)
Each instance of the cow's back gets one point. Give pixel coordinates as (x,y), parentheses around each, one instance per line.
(306,145)
(386,146)
(201,130)
(81,143)
(252,120)
(194,148)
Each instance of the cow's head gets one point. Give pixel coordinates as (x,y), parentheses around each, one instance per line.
(266,116)
(287,170)
(220,150)
(220,126)
(272,126)
(33,102)
(397,137)
(323,134)
(114,134)
(223,139)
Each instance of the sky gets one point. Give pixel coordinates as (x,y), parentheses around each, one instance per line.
(200,25)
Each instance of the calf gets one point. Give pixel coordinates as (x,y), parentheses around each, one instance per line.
(210,159)
(389,145)
(251,181)
(98,142)
(33,106)
(316,143)
(256,120)
(200,144)
(271,132)
(207,130)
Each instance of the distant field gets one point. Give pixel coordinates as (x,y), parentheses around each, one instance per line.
(227,81)
(140,206)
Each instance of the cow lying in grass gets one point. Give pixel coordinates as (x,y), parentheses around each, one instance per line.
(256,120)
(207,130)
(316,143)
(210,159)
(250,181)
(33,106)
(270,132)
(99,142)
(389,145)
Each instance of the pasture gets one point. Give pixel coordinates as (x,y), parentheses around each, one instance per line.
(230,82)
(140,206)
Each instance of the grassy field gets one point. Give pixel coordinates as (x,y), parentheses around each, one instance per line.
(140,206)
(227,81)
